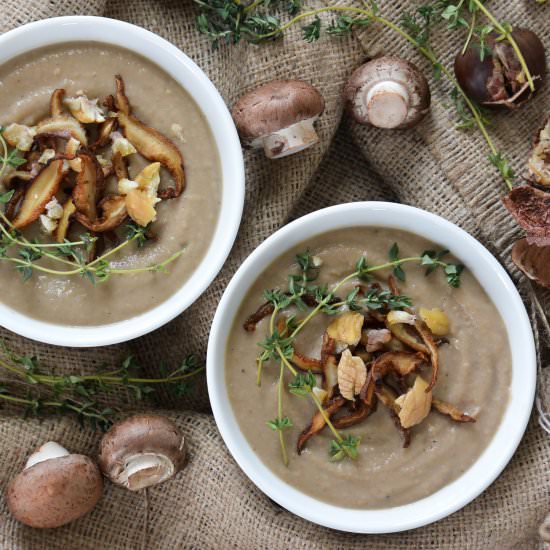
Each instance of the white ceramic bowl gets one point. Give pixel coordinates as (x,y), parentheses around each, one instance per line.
(174,62)
(500,289)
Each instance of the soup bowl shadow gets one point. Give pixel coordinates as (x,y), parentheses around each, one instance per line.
(500,289)
(86,29)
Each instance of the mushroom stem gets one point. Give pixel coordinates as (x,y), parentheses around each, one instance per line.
(387,104)
(49,450)
(290,140)
(146,469)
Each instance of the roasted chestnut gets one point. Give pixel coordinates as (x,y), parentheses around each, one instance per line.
(498,79)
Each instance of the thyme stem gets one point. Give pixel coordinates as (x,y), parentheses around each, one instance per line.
(506,33)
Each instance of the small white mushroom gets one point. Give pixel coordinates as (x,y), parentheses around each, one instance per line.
(279,117)
(142,451)
(54,488)
(388,92)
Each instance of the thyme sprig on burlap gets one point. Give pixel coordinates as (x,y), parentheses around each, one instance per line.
(231,20)
(278,346)
(39,390)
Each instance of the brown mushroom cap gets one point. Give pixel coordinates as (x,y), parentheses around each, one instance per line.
(141,436)
(275,105)
(402,105)
(55,492)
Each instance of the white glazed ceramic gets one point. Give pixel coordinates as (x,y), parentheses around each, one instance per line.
(197,84)
(498,286)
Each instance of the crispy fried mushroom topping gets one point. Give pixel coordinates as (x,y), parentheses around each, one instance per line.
(62,126)
(39,193)
(89,186)
(114,214)
(155,147)
(63,226)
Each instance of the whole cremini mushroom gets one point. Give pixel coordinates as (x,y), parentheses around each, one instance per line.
(497,79)
(54,488)
(142,451)
(388,92)
(279,117)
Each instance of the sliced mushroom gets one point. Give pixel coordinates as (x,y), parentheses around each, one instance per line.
(388,92)
(104,133)
(401,363)
(64,126)
(356,416)
(121,101)
(155,147)
(307,363)
(39,193)
(429,342)
(89,186)
(142,451)
(69,210)
(451,411)
(388,397)
(56,102)
(533,260)
(279,117)
(318,422)
(54,488)
(114,213)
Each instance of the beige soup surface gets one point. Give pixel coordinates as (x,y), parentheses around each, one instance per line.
(475,376)
(189,221)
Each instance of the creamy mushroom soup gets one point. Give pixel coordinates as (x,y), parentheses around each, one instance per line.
(186,222)
(469,397)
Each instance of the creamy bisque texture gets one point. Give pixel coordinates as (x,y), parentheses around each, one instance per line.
(475,376)
(26,84)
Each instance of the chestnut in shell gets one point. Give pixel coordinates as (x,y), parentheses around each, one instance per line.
(498,79)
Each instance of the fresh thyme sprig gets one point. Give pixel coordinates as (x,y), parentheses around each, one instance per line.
(47,391)
(230,21)
(278,346)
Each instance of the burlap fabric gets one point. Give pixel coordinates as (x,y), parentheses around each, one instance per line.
(212,504)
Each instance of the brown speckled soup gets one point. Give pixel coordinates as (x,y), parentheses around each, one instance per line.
(189,221)
(475,376)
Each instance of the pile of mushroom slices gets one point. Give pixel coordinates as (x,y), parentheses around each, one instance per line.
(376,357)
(57,487)
(76,166)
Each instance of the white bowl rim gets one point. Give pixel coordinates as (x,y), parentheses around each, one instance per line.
(87,29)
(494,280)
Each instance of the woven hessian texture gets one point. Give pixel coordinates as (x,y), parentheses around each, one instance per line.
(212,504)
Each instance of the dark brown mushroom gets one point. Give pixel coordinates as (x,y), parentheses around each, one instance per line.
(279,117)
(388,92)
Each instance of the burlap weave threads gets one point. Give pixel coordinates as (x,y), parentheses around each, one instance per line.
(212,504)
